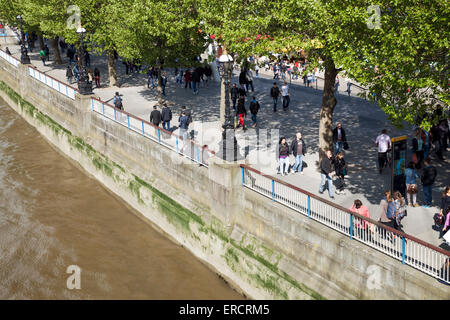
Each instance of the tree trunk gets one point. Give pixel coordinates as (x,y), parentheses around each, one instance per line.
(326,113)
(112,74)
(41,40)
(159,87)
(55,46)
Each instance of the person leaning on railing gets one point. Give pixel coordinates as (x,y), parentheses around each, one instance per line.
(361,225)
(387,210)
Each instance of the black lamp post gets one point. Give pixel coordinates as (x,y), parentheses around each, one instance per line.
(84,85)
(228,146)
(24,58)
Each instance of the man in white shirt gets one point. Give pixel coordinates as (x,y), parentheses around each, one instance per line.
(383,144)
(285,95)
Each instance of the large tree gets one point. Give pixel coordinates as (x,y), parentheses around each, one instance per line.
(156,32)
(391,58)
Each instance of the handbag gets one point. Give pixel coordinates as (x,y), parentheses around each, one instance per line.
(438,219)
(345,145)
(412,189)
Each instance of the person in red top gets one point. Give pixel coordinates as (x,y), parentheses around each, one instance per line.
(362,228)
(187,79)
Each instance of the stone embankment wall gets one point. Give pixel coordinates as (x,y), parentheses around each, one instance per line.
(263,249)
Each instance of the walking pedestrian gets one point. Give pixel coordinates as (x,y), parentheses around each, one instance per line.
(69,74)
(285,96)
(384,144)
(187,79)
(349,84)
(340,168)
(445,200)
(97,77)
(428,177)
(339,138)
(117,101)
(241,112)
(243,79)
(166,115)
(155,116)
(7,51)
(149,77)
(418,143)
(298,149)
(195,80)
(180,77)
(234,91)
(283,152)
(249,76)
(76,73)
(275,93)
(254,108)
(42,56)
(336,85)
(325,178)
(163,83)
(47,52)
(411,184)
(183,125)
(87,59)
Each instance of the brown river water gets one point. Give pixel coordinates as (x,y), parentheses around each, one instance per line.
(52,216)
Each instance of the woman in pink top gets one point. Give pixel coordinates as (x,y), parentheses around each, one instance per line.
(362,227)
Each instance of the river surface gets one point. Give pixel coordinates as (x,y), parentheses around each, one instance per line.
(52,216)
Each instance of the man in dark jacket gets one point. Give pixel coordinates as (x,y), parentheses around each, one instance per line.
(155,116)
(274,93)
(325,170)
(196,75)
(243,79)
(184,125)
(254,108)
(428,177)
(234,92)
(298,149)
(339,138)
(166,115)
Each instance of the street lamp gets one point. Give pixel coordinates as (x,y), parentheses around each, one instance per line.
(24,58)
(84,85)
(228,146)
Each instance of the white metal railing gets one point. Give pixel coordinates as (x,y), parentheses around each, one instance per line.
(9,58)
(410,250)
(184,146)
(53,83)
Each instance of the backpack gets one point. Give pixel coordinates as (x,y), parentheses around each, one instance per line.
(118,103)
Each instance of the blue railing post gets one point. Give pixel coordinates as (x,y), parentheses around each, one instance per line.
(351,226)
(273,190)
(243,176)
(198,156)
(92,102)
(103,108)
(403,249)
(309,206)
(115,115)
(128,119)
(143,133)
(177,143)
(59,88)
(159,136)
(67,91)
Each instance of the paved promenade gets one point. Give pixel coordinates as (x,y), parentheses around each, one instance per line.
(361,119)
